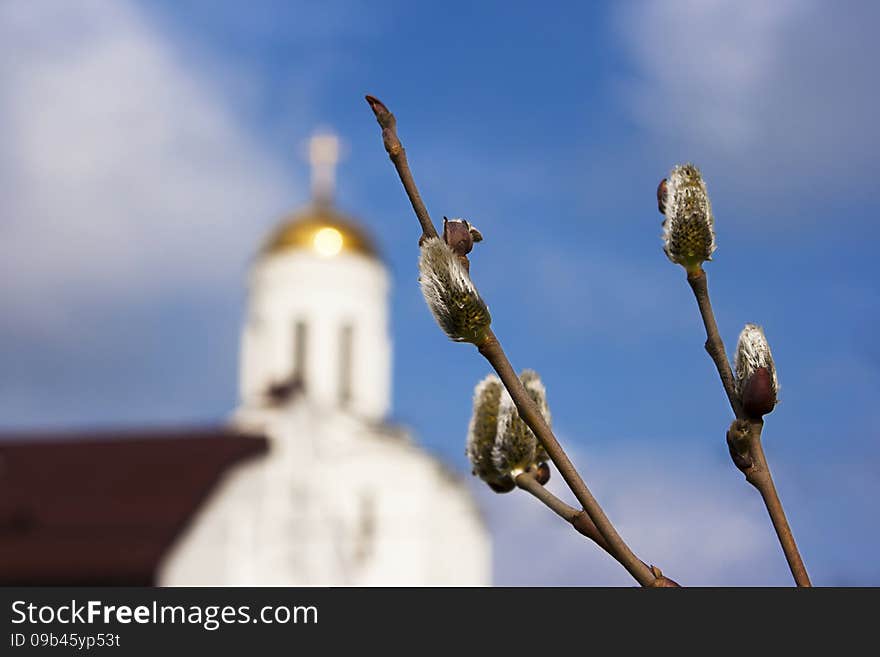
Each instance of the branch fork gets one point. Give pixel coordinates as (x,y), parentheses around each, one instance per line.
(591,521)
(744,434)
(689,238)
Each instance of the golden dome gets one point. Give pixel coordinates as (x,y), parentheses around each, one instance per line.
(322,230)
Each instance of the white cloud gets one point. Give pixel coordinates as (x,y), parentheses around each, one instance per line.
(779,95)
(123,173)
(702,63)
(693,517)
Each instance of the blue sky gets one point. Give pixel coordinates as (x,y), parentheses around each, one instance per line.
(149,146)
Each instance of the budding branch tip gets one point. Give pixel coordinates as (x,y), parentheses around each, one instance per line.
(378,107)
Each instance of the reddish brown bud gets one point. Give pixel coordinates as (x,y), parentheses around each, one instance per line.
(458,236)
(503,486)
(758,395)
(661,581)
(542,474)
(661,196)
(738,444)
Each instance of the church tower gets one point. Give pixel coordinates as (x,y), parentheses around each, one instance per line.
(341,496)
(317,317)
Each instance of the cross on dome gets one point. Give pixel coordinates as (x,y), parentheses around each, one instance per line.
(323,156)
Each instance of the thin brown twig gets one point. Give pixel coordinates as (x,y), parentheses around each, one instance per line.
(744,441)
(397,154)
(491,349)
(531,415)
(578,519)
(714,344)
(745,445)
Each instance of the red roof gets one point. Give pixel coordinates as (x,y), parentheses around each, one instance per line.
(104,507)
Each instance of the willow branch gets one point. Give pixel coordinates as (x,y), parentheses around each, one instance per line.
(747,452)
(579,520)
(491,349)
(397,154)
(745,447)
(531,415)
(714,344)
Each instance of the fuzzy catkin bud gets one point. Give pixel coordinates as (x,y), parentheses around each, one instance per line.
(756,382)
(500,445)
(689,228)
(516,448)
(533,385)
(482,432)
(450,294)
(515,445)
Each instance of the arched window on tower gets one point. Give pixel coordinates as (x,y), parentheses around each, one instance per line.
(346,346)
(300,338)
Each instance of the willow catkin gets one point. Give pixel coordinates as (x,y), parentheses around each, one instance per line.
(535,387)
(450,293)
(756,383)
(689,228)
(482,432)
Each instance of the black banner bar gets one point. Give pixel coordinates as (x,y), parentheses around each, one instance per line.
(151,621)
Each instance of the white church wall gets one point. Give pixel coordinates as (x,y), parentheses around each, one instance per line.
(335,502)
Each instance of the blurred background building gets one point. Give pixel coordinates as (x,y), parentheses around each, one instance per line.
(306,485)
(146,155)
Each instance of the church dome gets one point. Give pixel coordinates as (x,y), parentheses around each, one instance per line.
(322,230)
